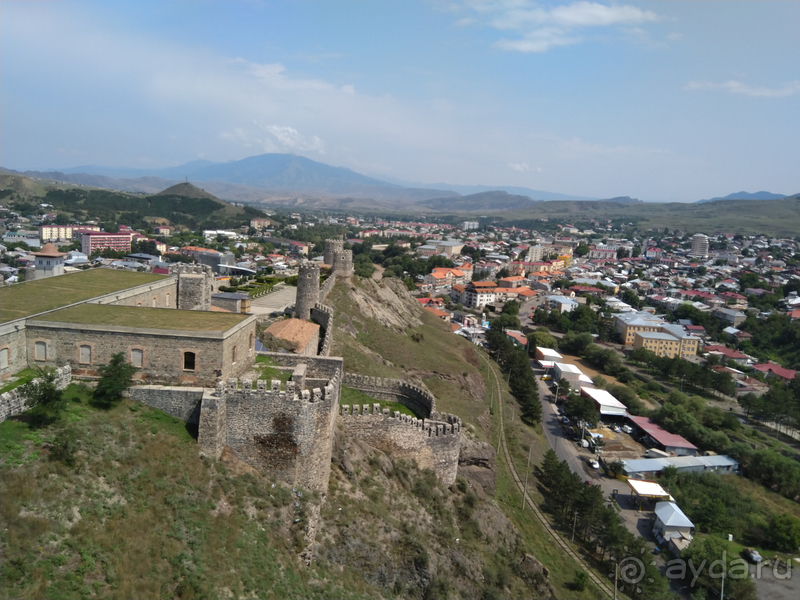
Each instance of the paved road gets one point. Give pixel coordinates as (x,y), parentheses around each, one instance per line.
(283,296)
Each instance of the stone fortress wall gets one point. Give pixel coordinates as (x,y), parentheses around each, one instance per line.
(432,444)
(417,398)
(12,403)
(323,315)
(331,247)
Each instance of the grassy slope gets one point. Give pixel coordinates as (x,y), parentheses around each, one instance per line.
(440,355)
(142,516)
(36,296)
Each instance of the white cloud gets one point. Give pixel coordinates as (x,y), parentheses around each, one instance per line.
(293,140)
(743,89)
(522,167)
(546,28)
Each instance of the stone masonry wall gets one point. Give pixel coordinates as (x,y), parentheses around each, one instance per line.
(431,444)
(326,287)
(181,402)
(12,403)
(418,399)
(319,367)
(324,316)
(163,350)
(285,432)
(160,294)
(12,339)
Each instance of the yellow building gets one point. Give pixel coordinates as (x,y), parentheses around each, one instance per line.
(662,343)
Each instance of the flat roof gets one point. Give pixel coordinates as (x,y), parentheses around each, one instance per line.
(648,488)
(568,368)
(548,352)
(32,297)
(602,397)
(657,335)
(144,317)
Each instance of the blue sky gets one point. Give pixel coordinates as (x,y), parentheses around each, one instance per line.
(664,101)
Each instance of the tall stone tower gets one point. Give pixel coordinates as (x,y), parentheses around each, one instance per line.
(195,286)
(331,248)
(307,290)
(343,263)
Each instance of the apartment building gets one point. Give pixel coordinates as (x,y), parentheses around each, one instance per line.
(479,293)
(54,233)
(700,245)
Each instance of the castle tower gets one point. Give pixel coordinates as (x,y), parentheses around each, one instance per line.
(343,263)
(332,246)
(195,286)
(307,290)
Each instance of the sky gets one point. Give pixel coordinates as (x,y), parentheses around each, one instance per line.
(658,100)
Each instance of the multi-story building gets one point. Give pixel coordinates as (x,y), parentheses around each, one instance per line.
(95,241)
(467,225)
(700,245)
(628,324)
(54,233)
(535,253)
(602,253)
(445,276)
(479,293)
(665,343)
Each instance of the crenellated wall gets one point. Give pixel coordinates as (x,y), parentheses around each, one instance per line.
(326,287)
(285,432)
(417,398)
(13,403)
(432,444)
(324,316)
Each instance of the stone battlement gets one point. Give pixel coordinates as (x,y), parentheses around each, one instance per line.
(307,289)
(271,391)
(190,268)
(326,287)
(444,424)
(415,397)
(331,247)
(343,263)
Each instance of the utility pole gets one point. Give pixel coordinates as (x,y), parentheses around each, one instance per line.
(527,470)
(616,571)
(722,589)
(574,522)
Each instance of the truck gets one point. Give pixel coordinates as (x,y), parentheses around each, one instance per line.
(656,453)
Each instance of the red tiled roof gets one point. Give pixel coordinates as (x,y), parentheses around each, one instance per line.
(777,370)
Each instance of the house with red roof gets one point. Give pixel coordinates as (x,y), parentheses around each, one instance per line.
(660,438)
(727,353)
(774,370)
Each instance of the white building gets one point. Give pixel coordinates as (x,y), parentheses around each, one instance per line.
(700,245)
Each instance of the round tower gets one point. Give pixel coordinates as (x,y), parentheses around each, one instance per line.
(307,290)
(331,248)
(343,263)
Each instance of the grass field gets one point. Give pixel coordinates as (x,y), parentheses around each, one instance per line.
(33,297)
(352,396)
(148,318)
(141,515)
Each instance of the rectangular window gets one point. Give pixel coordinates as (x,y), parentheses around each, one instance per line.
(137,357)
(86,355)
(40,351)
(3,358)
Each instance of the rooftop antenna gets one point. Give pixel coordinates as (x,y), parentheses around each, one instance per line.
(186,179)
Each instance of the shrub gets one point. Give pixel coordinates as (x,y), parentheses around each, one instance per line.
(581,581)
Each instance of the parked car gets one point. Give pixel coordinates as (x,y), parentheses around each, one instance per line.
(546,377)
(752,555)
(627,428)
(565,420)
(594,464)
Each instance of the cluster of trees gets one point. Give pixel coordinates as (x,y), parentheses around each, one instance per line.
(696,376)
(780,405)
(396,261)
(718,504)
(597,525)
(704,426)
(776,337)
(514,361)
(771,469)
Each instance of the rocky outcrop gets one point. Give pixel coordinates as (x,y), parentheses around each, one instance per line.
(477,464)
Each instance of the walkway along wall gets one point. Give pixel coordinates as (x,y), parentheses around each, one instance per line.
(431,444)
(418,399)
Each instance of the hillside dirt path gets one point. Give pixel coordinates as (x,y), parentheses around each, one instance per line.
(596,579)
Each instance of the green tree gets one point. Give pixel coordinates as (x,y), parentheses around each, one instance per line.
(45,400)
(542,338)
(784,531)
(115,378)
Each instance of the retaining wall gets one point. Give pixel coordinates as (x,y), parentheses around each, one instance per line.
(181,402)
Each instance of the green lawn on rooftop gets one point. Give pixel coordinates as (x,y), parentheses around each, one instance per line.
(30,298)
(145,318)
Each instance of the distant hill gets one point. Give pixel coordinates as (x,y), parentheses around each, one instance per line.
(622,200)
(187,190)
(746,196)
(275,174)
(484,201)
(466,190)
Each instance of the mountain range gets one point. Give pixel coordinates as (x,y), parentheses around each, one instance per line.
(291,180)
(745,196)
